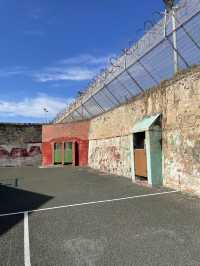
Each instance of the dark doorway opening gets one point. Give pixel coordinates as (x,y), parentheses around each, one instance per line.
(76,148)
(139,140)
(140,159)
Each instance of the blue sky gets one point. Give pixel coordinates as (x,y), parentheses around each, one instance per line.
(50,49)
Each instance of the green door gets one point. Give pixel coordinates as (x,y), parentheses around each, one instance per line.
(68,153)
(57,153)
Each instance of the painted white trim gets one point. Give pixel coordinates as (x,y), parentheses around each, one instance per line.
(132,158)
(27,261)
(52,152)
(148,155)
(89,203)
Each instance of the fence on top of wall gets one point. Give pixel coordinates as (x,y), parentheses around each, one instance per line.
(170,45)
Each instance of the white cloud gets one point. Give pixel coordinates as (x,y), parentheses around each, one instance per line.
(34,107)
(82,67)
(78,68)
(14,71)
(86,59)
(59,73)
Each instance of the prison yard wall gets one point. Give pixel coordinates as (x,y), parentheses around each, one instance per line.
(75,133)
(178,102)
(20,145)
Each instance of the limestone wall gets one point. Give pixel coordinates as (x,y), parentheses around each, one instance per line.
(111,155)
(178,101)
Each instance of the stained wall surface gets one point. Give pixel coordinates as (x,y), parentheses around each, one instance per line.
(20,144)
(178,101)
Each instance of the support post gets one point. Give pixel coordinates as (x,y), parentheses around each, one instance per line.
(134,80)
(97,103)
(81,115)
(148,72)
(113,103)
(116,99)
(176,66)
(86,109)
(125,88)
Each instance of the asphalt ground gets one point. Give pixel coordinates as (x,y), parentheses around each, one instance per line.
(81,217)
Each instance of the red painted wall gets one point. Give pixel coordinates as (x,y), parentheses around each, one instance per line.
(47,154)
(83,150)
(76,132)
(69,130)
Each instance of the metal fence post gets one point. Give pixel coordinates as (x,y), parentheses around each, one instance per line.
(176,66)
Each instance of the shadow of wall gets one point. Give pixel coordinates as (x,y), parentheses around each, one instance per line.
(16,200)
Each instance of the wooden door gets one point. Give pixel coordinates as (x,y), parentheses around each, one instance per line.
(140,162)
(140,158)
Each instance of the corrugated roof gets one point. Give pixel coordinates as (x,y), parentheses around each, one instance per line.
(145,123)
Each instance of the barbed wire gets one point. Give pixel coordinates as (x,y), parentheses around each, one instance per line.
(157,30)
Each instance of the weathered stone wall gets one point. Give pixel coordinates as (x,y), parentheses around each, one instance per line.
(20,144)
(178,101)
(111,155)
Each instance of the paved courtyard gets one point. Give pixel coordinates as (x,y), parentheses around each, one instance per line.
(74,216)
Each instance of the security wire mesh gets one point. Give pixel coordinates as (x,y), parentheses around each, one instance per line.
(142,66)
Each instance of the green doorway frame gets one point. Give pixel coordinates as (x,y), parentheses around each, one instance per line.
(57,153)
(153,141)
(68,152)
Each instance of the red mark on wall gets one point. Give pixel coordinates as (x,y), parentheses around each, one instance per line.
(3,152)
(109,158)
(34,150)
(115,155)
(20,152)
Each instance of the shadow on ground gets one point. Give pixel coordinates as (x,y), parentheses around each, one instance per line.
(16,200)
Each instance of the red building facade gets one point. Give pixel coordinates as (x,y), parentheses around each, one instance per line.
(75,133)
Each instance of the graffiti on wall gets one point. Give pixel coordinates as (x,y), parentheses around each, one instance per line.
(108,158)
(19,152)
(28,155)
(111,155)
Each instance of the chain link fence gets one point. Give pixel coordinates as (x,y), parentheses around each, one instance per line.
(171,44)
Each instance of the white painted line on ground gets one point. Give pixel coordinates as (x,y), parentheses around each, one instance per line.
(88,203)
(27,260)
